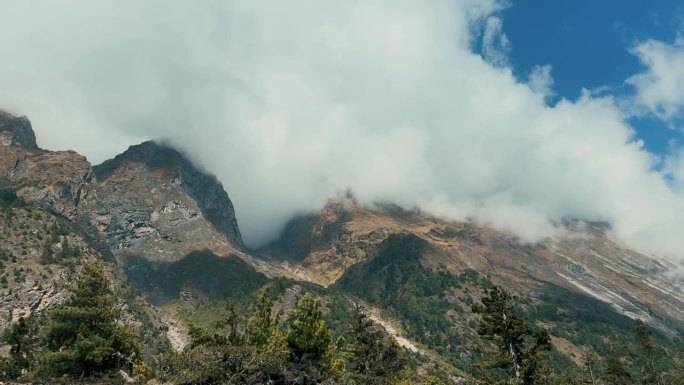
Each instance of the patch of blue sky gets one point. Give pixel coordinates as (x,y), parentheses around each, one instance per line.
(588,43)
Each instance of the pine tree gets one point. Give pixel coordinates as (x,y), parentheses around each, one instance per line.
(22,338)
(650,355)
(260,327)
(308,336)
(676,375)
(509,332)
(233,322)
(376,357)
(589,363)
(615,373)
(82,335)
(18,338)
(276,349)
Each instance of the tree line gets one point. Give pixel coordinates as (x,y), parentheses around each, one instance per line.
(83,339)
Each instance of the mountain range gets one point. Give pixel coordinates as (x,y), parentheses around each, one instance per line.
(169,232)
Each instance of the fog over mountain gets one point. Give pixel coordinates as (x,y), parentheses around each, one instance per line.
(290,103)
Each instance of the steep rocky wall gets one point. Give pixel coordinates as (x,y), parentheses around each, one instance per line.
(207,192)
(16,131)
(58,180)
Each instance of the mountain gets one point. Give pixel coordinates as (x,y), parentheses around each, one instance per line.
(16,131)
(585,261)
(189,206)
(168,234)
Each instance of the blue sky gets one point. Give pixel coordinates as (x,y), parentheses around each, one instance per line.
(587,43)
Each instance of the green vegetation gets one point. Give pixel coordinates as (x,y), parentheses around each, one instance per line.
(430,303)
(522,360)
(298,350)
(395,279)
(9,198)
(57,234)
(79,338)
(422,299)
(650,355)
(376,357)
(245,328)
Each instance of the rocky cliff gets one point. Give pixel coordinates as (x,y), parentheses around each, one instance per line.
(59,180)
(152,202)
(163,161)
(16,131)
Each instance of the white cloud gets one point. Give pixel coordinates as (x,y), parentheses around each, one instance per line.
(660,88)
(673,167)
(293,102)
(541,81)
(495,44)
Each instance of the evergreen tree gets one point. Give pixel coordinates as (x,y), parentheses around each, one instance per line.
(590,362)
(276,350)
(233,322)
(510,333)
(615,373)
(18,338)
(676,375)
(376,357)
(82,336)
(308,336)
(650,355)
(21,337)
(260,327)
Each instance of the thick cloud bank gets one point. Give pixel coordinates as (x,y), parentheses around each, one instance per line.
(291,103)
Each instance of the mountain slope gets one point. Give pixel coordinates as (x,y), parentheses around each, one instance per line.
(586,261)
(172,232)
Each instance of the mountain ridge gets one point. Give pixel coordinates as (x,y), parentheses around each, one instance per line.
(171,230)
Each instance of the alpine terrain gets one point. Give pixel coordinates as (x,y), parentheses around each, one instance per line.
(135,270)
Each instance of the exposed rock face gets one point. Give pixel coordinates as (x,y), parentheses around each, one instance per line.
(150,201)
(58,180)
(587,261)
(205,189)
(16,131)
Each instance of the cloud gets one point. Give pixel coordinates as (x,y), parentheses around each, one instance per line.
(541,81)
(291,103)
(495,44)
(660,88)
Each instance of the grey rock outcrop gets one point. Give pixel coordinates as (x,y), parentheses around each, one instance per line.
(16,131)
(209,194)
(57,180)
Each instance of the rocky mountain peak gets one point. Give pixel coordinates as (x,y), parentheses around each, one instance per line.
(208,193)
(16,131)
(152,154)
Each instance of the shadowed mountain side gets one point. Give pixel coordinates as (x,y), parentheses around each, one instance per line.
(200,271)
(296,243)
